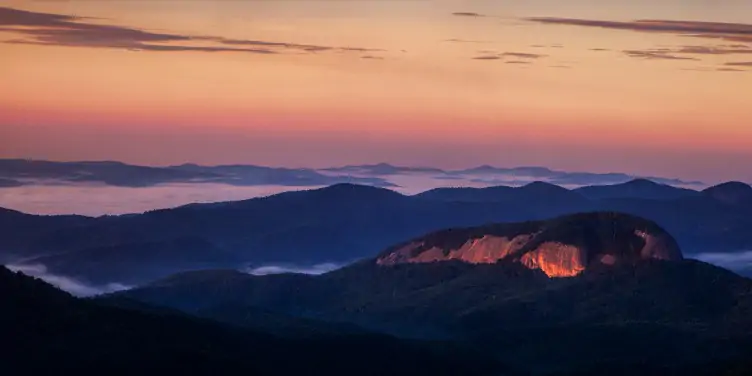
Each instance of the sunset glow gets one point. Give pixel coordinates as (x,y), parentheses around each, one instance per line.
(445,83)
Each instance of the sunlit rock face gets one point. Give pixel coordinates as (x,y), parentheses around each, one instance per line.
(484,250)
(556,259)
(561,247)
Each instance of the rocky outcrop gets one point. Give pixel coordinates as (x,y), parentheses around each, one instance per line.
(561,247)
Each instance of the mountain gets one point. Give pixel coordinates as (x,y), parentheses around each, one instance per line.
(637,188)
(648,308)
(569,178)
(383,169)
(46,330)
(731,193)
(16,172)
(18,229)
(533,171)
(561,247)
(534,197)
(20,172)
(339,223)
(110,173)
(9,183)
(335,224)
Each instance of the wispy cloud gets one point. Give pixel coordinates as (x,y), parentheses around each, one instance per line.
(737,261)
(713,50)
(487,57)
(717,30)
(456,40)
(71,285)
(517,62)
(523,55)
(519,56)
(468,14)
(740,64)
(656,55)
(280,269)
(730,70)
(47,29)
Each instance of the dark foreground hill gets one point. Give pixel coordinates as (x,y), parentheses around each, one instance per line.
(46,331)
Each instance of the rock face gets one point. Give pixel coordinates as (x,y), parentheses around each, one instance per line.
(561,247)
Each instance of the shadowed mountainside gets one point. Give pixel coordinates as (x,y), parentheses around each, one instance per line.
(49,331)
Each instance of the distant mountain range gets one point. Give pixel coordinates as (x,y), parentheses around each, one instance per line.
(20,172)
(346,222)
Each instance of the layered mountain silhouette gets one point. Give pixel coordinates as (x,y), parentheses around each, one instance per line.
(629,299)
(18,172)
(339,224)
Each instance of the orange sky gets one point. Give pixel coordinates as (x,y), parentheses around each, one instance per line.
(667,100)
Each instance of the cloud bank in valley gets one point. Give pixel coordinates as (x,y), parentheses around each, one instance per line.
(289,268)
(71,285)
(89,199)
(740,262)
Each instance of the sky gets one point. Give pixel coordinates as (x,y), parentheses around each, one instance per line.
(648,87)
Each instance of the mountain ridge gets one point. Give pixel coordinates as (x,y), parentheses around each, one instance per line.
(342,223)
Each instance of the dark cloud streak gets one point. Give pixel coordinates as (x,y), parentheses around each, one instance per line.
(454,40)
(468,14)
(46,29)
(730,70)
(523,55)
(656,55)
(710,50)
(740,64)
(718,30)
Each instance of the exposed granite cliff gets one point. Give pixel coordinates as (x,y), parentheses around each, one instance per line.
(561,247)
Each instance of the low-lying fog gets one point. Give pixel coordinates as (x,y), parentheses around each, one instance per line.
(96,200)
(69,284)
(81,288)
(740,262)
